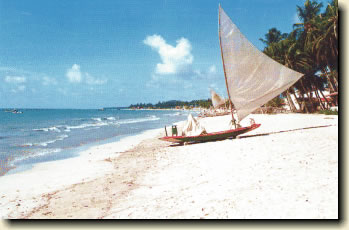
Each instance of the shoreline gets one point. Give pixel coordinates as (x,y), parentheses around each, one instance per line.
(57,174)
(26,162)
(74,152)
(242,178)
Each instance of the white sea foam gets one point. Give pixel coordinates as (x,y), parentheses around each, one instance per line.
(85,125)
(99,121)
(42,152)
(92,128)
(173,114)
(109,121)
(45,143)
(53,128)
(130,121)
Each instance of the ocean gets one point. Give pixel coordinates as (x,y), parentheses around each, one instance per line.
(39,135)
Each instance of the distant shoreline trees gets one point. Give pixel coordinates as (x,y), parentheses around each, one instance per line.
(174,103)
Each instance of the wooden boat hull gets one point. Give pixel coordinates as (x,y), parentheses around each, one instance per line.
(211,136)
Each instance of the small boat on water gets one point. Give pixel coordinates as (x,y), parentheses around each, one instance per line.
(13,111)
(251,77)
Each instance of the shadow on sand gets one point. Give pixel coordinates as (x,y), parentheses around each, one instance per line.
(284,131)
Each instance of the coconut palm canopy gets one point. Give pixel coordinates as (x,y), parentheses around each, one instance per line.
(312,49)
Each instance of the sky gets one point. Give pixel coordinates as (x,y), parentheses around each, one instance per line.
(94,54)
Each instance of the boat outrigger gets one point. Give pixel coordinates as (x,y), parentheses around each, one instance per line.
(251,77)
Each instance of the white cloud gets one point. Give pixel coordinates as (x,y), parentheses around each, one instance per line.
(212,69)
(74,74)
(213,85)
(219,89)
(175,59)
(15,79)
(210,73)
(160,81)
(176,69)
(48,81)
(90,80)
(18,89)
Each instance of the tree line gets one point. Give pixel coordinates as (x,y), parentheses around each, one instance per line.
(174,103)
(312,49)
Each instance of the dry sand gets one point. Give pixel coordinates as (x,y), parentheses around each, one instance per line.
(281,170)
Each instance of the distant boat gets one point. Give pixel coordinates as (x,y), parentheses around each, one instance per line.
(13,111)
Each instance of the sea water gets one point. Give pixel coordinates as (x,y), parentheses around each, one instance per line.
(39,135)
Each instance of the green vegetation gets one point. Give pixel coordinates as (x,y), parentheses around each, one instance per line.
(312,49)
(328,112)
(276,102)
(174,103)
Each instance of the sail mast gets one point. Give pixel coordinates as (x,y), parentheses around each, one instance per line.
(225,76)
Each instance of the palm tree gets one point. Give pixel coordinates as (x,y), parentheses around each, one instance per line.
(319,37)
(279,51)
(310,48)
(273,36)
(307,12)
(325,45)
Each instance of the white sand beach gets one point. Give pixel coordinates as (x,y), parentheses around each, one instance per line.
(286,169)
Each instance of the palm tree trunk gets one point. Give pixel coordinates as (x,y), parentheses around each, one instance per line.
(309,97)
(327,102)
(305,109)
(333,88)
(334,79)
(290,102)
(319,99)
(297,100)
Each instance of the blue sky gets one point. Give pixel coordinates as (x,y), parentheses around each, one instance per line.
(92,54)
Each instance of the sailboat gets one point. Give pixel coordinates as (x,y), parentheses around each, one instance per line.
(219,105)
(217,101)
(251,77)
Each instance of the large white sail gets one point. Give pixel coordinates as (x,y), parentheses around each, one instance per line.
(252,77)
(217,101)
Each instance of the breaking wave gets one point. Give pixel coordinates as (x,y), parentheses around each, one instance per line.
(45,143)
(42,152)
(53,128)
(97,123)
(173,114)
